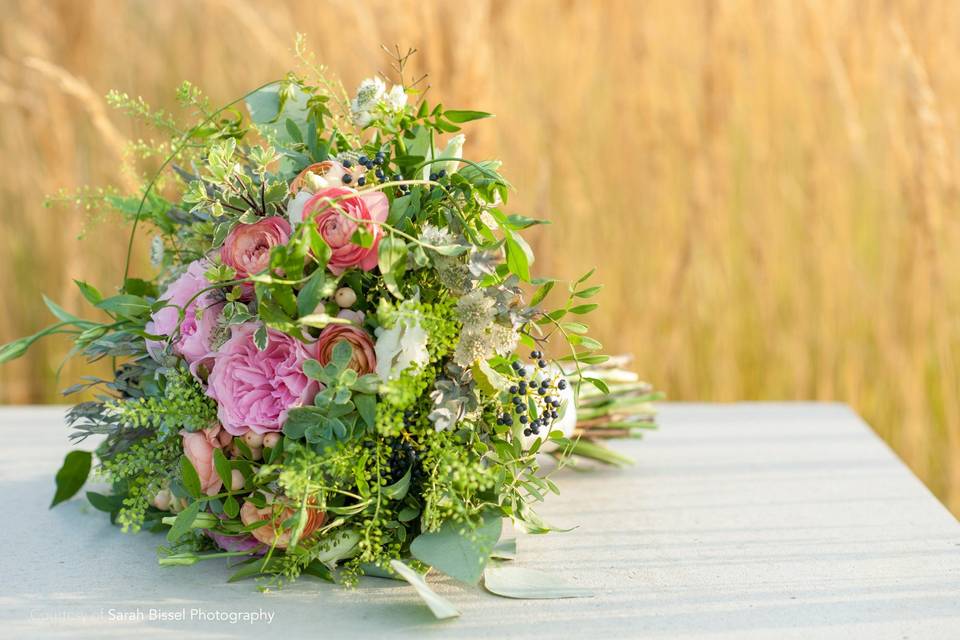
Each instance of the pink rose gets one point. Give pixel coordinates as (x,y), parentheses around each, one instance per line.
(198,446)
(192,341)
(254,389)
(362,361)
(247,247)
(337,212)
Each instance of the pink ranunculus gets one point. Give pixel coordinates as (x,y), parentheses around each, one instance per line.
(363,360)
(338,212)
(247,247)
(200,316)
(198,446)
(254,389)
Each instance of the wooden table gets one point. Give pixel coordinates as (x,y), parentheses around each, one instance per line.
(738,521)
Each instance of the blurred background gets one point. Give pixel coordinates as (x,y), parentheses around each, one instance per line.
(768,187)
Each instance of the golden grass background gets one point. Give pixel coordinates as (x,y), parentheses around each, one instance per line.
(769,187)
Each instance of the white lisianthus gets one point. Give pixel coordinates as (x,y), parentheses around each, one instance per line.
(454,149)
(396,98)
(400,346)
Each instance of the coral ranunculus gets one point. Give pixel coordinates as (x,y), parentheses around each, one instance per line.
(274,533)
(363,360)
(255,389)
(338,212)
(247,247)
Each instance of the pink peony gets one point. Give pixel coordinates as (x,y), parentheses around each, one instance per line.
(192,341)
(362,361)
(254,389)
(247,247)
(337,212)
(198,446)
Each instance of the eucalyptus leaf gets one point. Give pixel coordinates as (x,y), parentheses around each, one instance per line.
(439,606)
(458,550)
(528,584)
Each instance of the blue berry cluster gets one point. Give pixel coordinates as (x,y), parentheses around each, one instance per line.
(374,164)
(543,389)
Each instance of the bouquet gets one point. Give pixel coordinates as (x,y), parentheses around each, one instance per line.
(343,365)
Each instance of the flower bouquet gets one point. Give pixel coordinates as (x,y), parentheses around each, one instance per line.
(341,366)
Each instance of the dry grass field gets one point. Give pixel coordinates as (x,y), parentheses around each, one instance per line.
(769,187)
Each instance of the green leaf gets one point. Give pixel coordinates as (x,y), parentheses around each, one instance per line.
(590,292)
(72,475)
(461,115)
(457,550)
(516,221)
(586,276)
(222,465)
(392,260)
(126,305)
(398,490)
(107,504)
(583,308)
(260,337)
(598,383)
(89,292)
(439,606)
(191,481)
(367,408)
(184,521)
(58,311)
(528,584)
(519,257)
(542,292)
(312,293)
(231,507)
(489,381)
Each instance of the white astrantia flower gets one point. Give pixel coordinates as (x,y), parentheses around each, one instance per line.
(369,94)
(400,346)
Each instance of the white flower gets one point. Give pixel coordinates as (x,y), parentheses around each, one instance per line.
(401,346)
(369,94)
(454,149)
(296,205)
(396,98)
(436,236)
